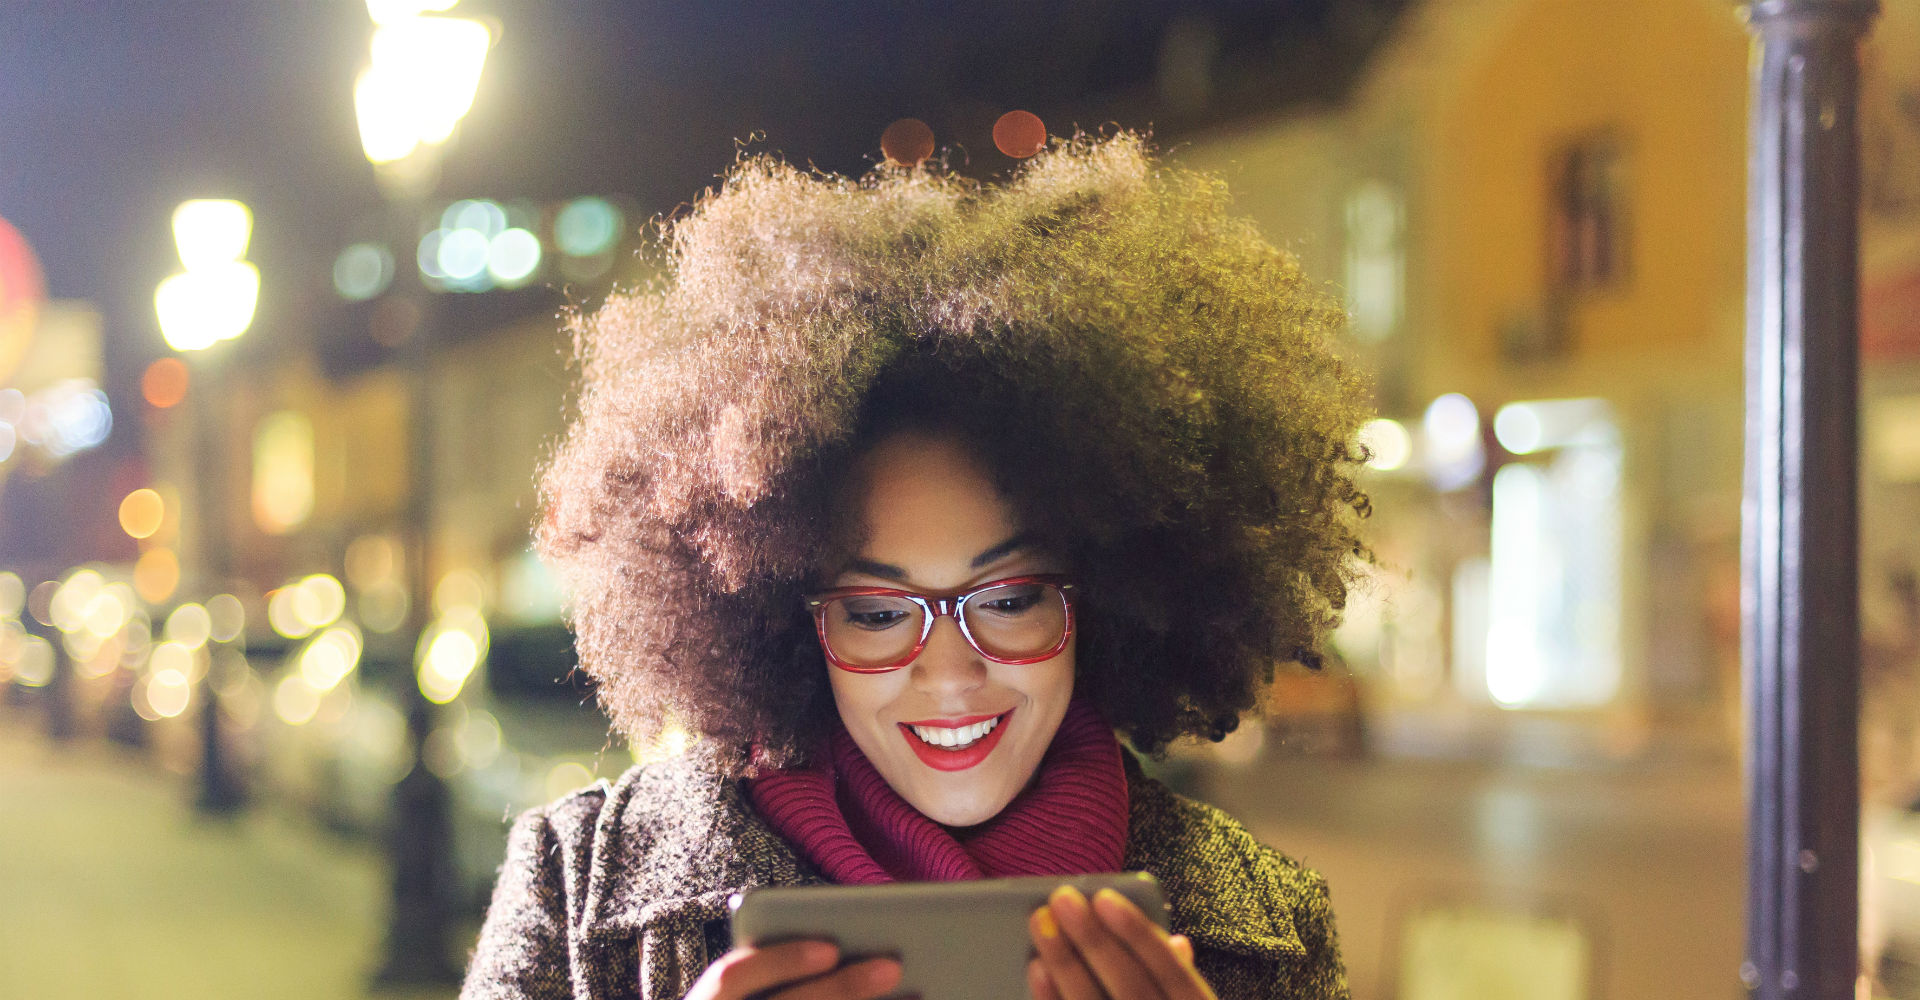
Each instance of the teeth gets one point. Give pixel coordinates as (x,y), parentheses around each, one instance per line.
(955,738)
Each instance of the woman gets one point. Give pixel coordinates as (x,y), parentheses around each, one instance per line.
(904,495)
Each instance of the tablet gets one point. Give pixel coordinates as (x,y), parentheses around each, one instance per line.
(955,940)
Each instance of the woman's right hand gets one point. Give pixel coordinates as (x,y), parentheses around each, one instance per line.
(795,970)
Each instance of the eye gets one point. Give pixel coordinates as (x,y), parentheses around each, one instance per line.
(874,614)
(875,620)
(1011,601)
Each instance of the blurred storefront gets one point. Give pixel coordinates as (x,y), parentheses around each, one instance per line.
(1535,211)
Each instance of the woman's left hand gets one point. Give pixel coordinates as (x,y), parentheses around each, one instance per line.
(1107,950)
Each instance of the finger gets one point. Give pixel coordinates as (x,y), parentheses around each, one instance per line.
(743,972)
(1039,983)
(1112,962)
(1182,947)
(1151,946)
(1066,973)
(875,977)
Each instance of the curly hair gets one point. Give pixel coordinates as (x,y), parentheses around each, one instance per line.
(1152,385)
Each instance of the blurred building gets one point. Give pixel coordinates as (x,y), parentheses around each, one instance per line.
(1535,211)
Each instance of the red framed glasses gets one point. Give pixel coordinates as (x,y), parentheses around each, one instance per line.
(871,630)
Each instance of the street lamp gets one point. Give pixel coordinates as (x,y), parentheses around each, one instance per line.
(213,299)
(210,302)
(420,82)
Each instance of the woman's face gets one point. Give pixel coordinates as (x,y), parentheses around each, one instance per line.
(936,525)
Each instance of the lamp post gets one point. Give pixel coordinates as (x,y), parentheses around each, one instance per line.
(1800,531)
(209,303)
(420,82)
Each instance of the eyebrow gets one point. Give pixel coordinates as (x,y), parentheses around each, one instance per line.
(892,572)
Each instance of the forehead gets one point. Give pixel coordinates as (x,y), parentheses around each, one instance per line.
(927,504)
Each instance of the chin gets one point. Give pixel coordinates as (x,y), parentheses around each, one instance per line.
(962,812)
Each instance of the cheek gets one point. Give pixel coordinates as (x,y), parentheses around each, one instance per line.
(860,697)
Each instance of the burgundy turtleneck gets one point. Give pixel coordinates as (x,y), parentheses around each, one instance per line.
(844,817)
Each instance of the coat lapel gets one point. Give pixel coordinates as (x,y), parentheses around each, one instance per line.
(667,860)
(1224,889)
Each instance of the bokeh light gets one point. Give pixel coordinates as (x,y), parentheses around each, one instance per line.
(156,574)
(319,600)
(203,306)
(40,601)
(480,215)
(175,656)
(565,777)
(1452,450)
(13,594)
(1019,134)
(33,663)
(481,738)
(226,617)
(362,271)
(107,613)
(513,257)
(1517,427)
(74,598)
(383,607)
(210,232)
(461,591)
(330,657)
(141,512)
(190,625)
(294,700)
(164,383)
(69,416)
(450,658)
(421,83)
(587,227)
(282,471)
(462,255)
(377,736)
(372,560)
(1388,444)
(907,142)
(168,693)
(389,11)
(283,617)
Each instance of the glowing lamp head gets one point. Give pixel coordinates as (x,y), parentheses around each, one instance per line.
(211,232)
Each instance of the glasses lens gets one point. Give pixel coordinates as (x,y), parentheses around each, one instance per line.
(1017,621)
(872,631)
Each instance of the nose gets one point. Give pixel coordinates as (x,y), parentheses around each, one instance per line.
(948,666)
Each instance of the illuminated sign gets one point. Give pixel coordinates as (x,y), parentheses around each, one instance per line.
(22,289)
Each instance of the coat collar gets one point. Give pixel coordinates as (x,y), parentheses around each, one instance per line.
(665,858)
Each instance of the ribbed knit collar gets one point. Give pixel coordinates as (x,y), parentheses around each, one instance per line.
(844,817)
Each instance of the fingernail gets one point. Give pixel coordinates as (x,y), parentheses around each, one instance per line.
(820,953)
(1044,918)
(1111,897)
(1069,897)
(883,974)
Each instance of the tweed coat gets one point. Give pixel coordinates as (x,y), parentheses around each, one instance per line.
(619,891)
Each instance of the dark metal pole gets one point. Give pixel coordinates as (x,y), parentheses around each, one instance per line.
(1801,645)
(420,847)
(220,792)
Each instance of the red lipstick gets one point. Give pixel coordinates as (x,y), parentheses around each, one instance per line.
(942,759)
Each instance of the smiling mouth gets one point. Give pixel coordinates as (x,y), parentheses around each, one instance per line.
(955,744)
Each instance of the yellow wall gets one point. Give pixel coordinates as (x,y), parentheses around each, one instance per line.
(1669,78)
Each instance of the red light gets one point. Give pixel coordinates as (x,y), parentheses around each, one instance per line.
(165,383)
(1019,134)
(907,142)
